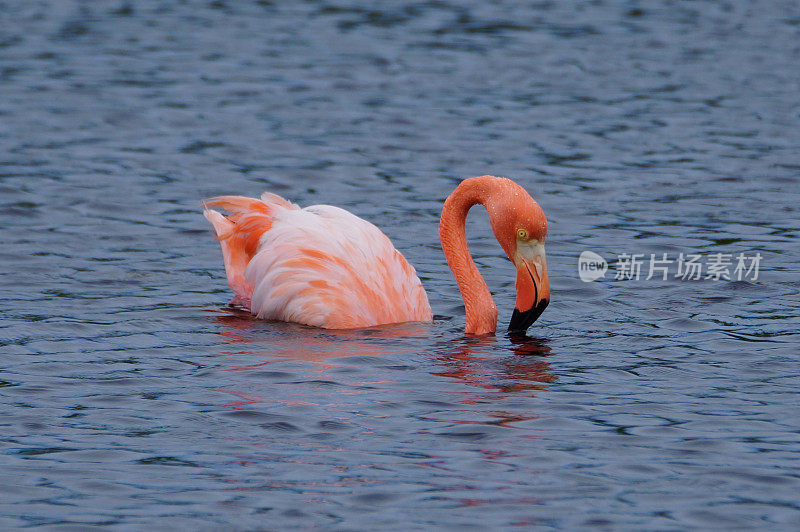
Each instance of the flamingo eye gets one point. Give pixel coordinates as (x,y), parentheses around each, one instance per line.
(522,234)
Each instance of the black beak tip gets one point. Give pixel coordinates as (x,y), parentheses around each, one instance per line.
(520,321)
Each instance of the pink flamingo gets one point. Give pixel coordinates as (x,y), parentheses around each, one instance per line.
(325,267)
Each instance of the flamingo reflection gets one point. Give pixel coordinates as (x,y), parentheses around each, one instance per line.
(482,362)
(487,363)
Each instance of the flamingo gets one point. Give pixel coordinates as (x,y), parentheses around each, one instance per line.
(325,267)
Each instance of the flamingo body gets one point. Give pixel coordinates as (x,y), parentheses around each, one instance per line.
(320,266)
(325,267)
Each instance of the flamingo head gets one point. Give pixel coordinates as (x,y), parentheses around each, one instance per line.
(519,224)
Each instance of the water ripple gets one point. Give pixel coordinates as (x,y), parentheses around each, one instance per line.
(131,394)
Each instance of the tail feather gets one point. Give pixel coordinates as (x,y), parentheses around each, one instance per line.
(240,232)
(269,197)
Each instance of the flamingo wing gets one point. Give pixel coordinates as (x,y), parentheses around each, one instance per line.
(320,266)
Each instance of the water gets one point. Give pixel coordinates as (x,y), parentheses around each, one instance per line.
(132,397)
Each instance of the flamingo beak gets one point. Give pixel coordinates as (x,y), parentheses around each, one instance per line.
(533,286)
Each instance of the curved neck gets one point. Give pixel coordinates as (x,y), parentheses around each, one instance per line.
(478,302)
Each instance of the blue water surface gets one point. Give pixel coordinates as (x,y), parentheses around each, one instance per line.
(131,397)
